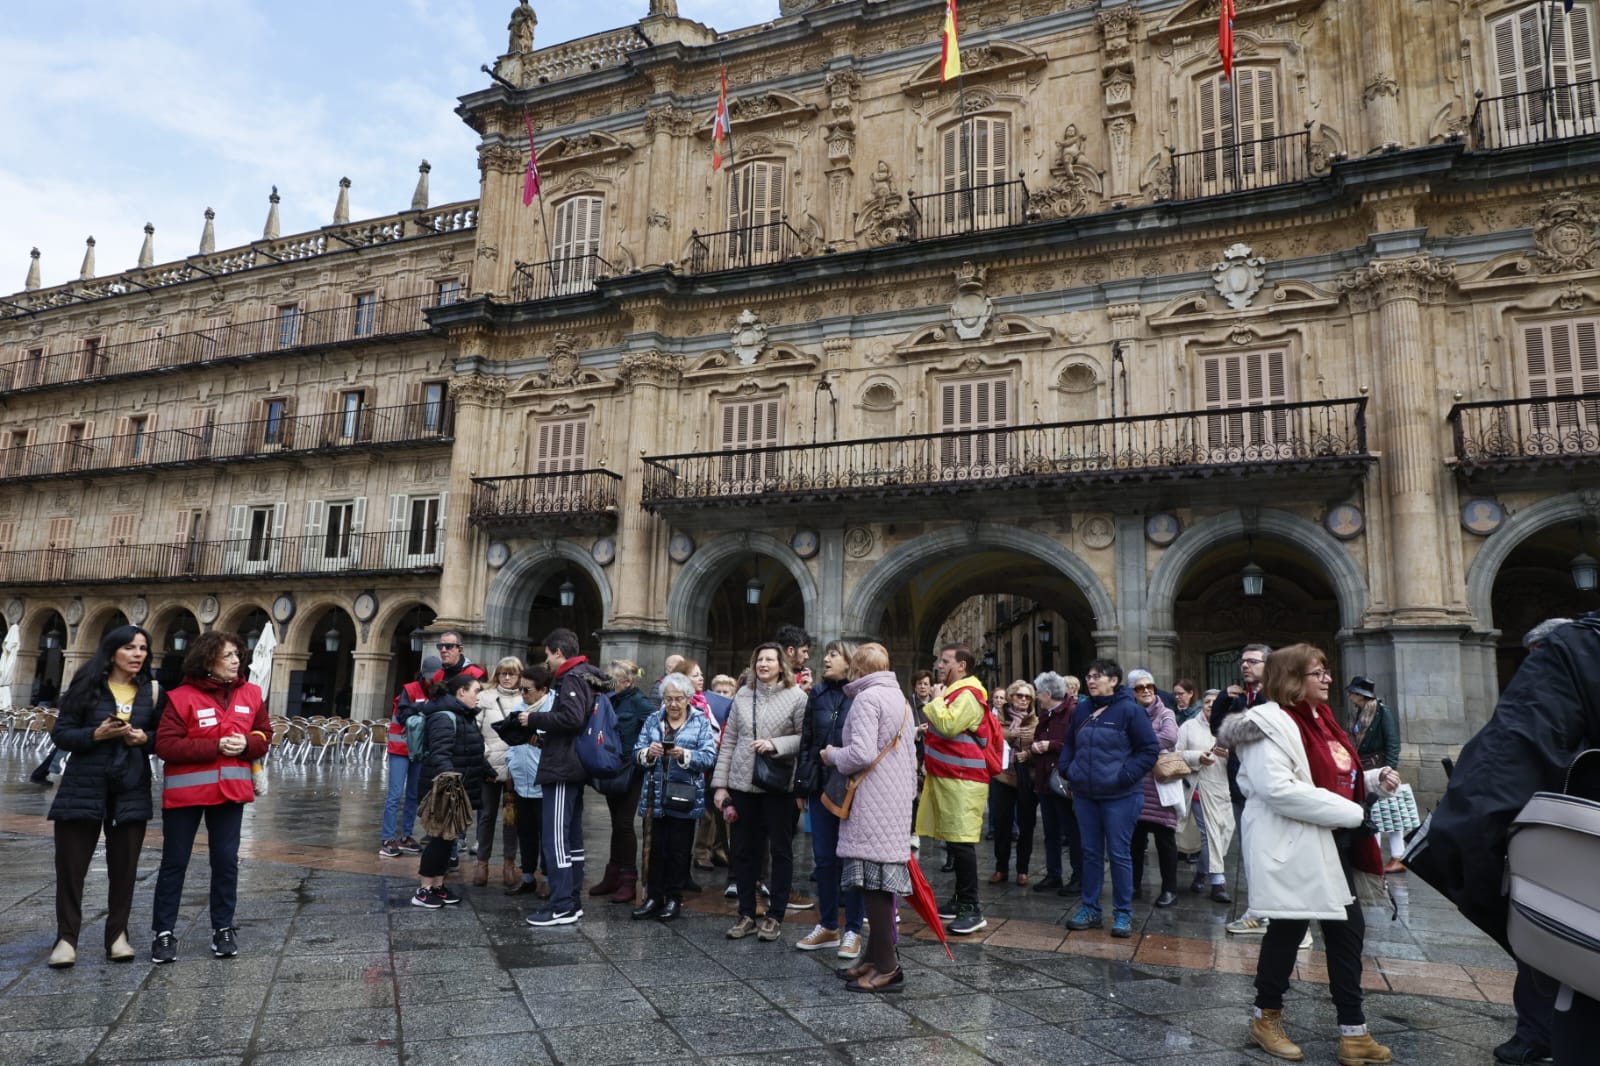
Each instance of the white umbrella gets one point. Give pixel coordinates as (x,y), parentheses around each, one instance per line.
(261,658)
(8,664)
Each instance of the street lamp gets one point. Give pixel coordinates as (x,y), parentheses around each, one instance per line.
(252,638)
(1585,572)
(1254,578)
(419,638)
(52,638)
(180,641)
(1046,631)
(568,593)
(752,591)
(330,639)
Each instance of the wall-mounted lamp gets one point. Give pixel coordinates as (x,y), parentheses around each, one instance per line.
(180,641)
(1585,572)
(330,639)
(568,592)
(1046,632)
(752,591)
(1254,579)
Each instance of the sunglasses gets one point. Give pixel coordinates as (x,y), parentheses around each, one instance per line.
(1144,688)
(448,647)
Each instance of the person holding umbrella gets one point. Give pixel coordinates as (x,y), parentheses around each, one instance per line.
(676,748)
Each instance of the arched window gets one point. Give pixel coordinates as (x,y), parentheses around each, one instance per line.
(1523,68)
(1238,124)
(576,244)
(974,156)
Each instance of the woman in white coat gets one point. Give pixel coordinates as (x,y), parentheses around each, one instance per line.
(1304,843)
(1214,813)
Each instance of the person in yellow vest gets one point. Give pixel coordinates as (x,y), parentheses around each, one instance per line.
(212,727)
(956,788)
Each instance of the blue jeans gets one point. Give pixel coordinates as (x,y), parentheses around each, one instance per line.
(1107,829)
(825,852)
(403,778)
(178,828)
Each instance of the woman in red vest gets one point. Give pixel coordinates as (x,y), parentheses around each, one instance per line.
(214,725)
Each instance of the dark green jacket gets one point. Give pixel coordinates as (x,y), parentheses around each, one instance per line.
(1381,738)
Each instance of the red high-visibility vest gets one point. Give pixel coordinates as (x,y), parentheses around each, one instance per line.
(223,778)
(959,757)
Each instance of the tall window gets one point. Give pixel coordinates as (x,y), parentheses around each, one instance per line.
(260,535)
(138,427)
(1244,380)
(422,538)
(1564,360)
(1237,124)
(433,399)
(577,243)
(336,536)
(91,358)
(352,407)
(187,540)
(275,422)
(755,212)
(288,325)
(748,424)
(974,157)
(253,536)
(965,406)
(1521,67)
(560,444)
(366,314)
(33,368)
(447,291)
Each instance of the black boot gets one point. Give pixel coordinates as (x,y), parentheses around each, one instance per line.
(669,911)
(647,909)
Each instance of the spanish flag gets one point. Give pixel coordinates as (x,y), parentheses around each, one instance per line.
(721,126)
(950,58)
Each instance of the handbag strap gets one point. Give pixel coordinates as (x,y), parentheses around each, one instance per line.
(898,733)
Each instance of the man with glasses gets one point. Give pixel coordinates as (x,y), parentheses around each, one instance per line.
(1239,698)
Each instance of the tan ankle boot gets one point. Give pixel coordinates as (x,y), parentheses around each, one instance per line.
(1362,1051)
(480,873)
(1267,1031)
(509,874)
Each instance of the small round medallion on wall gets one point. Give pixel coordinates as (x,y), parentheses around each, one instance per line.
(858,541)
(283,608)
(1098,531)
(805,543)
(138,610)
(366,606)
(208,610)
(497,553)
(1162,529)
(14,610)
(1345,521)
(604,550)
(74,610)
(1482,516)
(680,547)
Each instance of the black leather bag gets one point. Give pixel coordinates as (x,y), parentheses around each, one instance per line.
(677,797)
(772,774)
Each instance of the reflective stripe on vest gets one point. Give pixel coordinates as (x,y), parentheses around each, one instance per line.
(955,757)
(190,780)
(236,773)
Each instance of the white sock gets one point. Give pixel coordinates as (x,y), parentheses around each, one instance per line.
(1219,879)
(1353,1030)
(1255,1012)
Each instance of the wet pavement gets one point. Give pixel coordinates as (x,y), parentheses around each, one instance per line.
(336,967)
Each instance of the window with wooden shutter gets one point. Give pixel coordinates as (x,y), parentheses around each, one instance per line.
(288,325)
(117,559)
(196,444)
(422,536)
(975,158)
(755,212)
(60,533)
(1526,113)
(746,425)
(1238,141)
(578,230)
(354,418)
(560,444)
(8,544)
(59,543)
(365,322)
(16,459)
(187,540)
(1563,359)
(1244,380)
(967,406)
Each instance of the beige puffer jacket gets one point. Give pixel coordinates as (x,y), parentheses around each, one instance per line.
(778,714)
(495,706)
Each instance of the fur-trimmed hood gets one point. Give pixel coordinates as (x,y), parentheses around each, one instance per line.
(1239,730)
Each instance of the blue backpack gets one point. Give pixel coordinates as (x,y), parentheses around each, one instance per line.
(599,746)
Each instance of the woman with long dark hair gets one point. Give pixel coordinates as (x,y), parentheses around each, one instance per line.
(213,726)
(107,719)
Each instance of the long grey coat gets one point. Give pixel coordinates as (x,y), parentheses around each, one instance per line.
(879,826)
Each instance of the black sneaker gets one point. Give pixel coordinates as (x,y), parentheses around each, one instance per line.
(426,898)
(224,945)
(969,921)
(949,909)
(1518,1052)
(164,948)
(551,916)
(389,849)
(410,846)
(444,895)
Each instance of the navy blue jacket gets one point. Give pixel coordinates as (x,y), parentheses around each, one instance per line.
(826,708)
(1106,758)
(633,708)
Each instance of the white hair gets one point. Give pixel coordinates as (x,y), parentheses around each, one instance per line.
(1136,677)
(678,683)
(1050,684)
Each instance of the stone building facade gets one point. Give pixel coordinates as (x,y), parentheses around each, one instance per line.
(1176,362)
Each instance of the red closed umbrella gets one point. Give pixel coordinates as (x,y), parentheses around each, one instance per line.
(927,907)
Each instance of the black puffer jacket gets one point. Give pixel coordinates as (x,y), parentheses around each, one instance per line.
(105,774)
(826,709)
(455,744)
(575,687)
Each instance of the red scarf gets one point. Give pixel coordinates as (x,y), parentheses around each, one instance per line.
(1318,727)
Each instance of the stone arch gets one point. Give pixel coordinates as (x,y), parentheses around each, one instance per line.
(1349,585)
(231,617)
(306,615)
(1499,545)
(36,619)
(163,614)
(505,610)
(689,599)
(390,613)
(86,636)
(870,598)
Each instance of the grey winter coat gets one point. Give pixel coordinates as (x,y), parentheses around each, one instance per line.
(879,826)
(771,712)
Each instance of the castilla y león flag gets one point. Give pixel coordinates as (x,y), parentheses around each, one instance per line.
(719,124)
(530,181)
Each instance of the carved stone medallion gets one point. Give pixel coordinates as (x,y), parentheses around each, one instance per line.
(971,310)
(749,338)
(1237,278)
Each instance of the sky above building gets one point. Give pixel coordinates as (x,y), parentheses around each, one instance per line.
(123,112)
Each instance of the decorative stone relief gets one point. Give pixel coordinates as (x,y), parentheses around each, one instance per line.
(1237,278)
(1073,181)
(1345,521)
(651,367)
(1098,531)
(1380,85)
(563,360)
(1481,516)
(1571,298)
(1565,235)
(673,121)
(884,218)
(1418,277)
(971,310)
(680,548)
(749,338)
(1162,529)
(858,542)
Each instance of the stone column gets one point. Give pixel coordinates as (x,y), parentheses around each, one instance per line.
(499,209)
(829,622)
(367,696)
(664,126)
(478,404)
(1129,560)
(639,593)
(1383,121)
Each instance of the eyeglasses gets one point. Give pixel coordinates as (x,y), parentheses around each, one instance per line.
(675,699)
(1022,696)
(230,655)
(1144,688)
(1320,674)
(448,647)
(1252,662)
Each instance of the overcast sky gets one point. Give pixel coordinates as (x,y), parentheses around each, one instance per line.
(122,112)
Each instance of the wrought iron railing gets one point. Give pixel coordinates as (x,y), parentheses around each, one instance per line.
(408,424)
(1551,114)
(332,552)
(1527,432)
(558,277)
(523,497)
(1292,436)
(769,242)
(284,331)
(966,210)
(1241,166)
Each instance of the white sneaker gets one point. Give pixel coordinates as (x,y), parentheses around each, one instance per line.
(731,892)
(1305,942)
(916,842)
(850,946)
(819,937)
(1245,925)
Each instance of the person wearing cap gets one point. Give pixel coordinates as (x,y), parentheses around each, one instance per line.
(403,773)
(1376,731)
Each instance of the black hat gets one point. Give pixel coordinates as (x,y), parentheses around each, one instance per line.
(1362,686)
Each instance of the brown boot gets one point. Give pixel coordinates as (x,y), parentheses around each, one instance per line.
(1267,1031)
(627,882)
(608,884)
(480,873)
(510,876)
(1362,1051)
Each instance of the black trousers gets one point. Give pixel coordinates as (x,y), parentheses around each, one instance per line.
(624,837)
(1534,997)
(765,828)
(1575,1032)
(1008,803)
(1166,854)
(671,846)
(966,860)
(529,813)
(435,859)
(75,843)
(1343,940)
(224,822)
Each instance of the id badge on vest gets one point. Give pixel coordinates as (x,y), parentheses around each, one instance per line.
(206,717)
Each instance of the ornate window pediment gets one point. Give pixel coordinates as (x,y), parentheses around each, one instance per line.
(980,63)
(1200,17)
(583,149)
(760,110)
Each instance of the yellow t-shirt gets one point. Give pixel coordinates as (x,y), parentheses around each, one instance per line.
(124,695)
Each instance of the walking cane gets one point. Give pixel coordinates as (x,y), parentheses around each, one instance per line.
(649,823)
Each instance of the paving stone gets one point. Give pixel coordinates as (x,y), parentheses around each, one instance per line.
(503,1049)
(606,1045)
(468,1017)
(874,1017)
(763,1031)
(327,1028)
(1035,1046)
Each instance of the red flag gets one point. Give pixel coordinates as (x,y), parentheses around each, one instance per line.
(950,47)
(530,182)
(720,126)
(1225,39)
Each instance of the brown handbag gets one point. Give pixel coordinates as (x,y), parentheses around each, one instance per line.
(1170,766)
(840,791)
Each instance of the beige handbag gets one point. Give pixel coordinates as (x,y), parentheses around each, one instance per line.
(1170,767)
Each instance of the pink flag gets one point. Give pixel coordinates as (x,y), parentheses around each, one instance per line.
(721,126)
(530,183)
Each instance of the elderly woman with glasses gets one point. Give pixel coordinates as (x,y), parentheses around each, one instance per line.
(1012,801)
(1155,820)
(676,748)
(1304,842)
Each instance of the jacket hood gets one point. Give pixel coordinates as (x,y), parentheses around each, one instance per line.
(877,679)
(1239,730)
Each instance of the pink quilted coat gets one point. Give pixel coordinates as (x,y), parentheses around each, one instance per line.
(1165,724)
(879,826)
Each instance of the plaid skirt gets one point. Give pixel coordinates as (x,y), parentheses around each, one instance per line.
(872,876)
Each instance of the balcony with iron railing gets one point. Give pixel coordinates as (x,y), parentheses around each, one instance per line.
(333,554)
(367,428)
(968,210)
(1241,166)
(572,276)
(1527,434)
(351,323)
(1271,439)
(744,246)
(563,499)
(1550,114)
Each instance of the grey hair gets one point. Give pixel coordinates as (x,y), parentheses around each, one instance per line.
(1209,693)
(1136,676)
(1542,632)
(1050,684)
(678,683)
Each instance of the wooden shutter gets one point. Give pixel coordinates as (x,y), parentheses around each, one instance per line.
(981,160)
(358,523)
(60,534)
(316,518)
(399,518)
(755,209)
(561,444)
(578,229)
(1563,360)
(1240,380)
(1572,61)
(1519,68)
(749,424)
(238,523)
(8,542)
(969,404)
(122,528)
(1253,164)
